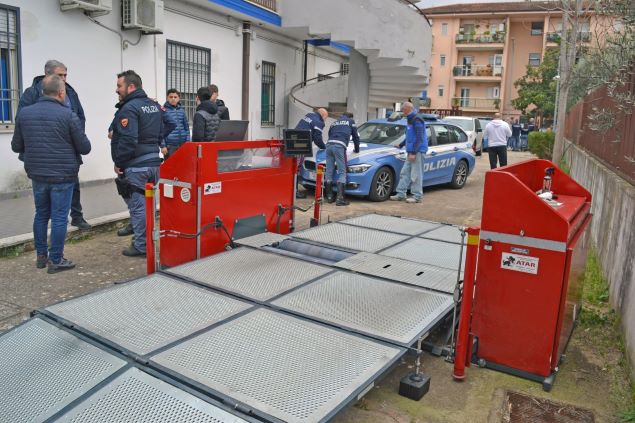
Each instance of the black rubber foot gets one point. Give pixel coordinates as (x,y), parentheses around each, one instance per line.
(414,386)
(313,222)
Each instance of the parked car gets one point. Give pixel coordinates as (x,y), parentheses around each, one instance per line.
(472,127)
(484,121)
(374,171)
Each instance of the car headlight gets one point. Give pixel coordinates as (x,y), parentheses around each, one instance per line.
(360,168)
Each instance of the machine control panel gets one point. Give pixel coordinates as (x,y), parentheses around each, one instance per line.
(297,142)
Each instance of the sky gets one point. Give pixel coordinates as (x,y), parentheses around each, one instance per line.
(432,3)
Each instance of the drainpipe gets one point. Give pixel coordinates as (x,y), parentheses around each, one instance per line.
(306,61)
(245,82)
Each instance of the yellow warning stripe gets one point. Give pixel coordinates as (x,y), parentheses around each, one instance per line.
(149,193)
(472,239)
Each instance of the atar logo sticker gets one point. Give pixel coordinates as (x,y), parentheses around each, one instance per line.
(519,263)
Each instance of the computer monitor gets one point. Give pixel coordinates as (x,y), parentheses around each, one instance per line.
(232,130)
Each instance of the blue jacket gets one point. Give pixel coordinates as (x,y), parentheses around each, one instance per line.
(313,122)
(50,138)
(416,140)
(342,130)
(34,92)
(181,133)
(137,132)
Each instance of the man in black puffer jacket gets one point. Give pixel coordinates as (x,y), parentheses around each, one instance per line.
(223,111)
(50,137)
(206,119)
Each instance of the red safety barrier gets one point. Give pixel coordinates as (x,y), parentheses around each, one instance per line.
(318,195)
(149,228)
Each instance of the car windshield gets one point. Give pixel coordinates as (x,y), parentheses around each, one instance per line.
(382,133)
(467,124)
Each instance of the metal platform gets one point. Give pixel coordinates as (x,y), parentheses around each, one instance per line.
(252,274)
(44,368)
(261,240)
(396,269)
(445,233)
(135,396)
(392,312)
(427,251)
(281,366)
(350,237)
(149,313)
(393,224)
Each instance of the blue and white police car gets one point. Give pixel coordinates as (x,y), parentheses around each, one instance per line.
(374,171)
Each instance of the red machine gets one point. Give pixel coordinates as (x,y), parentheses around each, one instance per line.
(531,259)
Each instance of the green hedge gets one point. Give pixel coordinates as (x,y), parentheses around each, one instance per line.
(541,144)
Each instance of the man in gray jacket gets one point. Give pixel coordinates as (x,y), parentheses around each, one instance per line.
(497,132)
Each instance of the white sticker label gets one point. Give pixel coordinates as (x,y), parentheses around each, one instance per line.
(212,188)
(168,191)
(519,263)
(185,195)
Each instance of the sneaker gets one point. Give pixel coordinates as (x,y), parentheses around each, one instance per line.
(131,251)
(397,197)
(64,264)
(41,262)
(412,200)
(125,231)
(80,223)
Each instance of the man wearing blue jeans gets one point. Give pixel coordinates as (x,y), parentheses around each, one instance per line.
(340,133)
(416,142)
(50,138)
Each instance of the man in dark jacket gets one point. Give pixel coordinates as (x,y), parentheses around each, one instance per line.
(137,134)
(31,96)
(340,133)
(50,137)
(223,111)
(314,122)
(181,133)
(206,120)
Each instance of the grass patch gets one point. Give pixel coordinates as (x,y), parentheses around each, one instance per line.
(596,288)
(14,251)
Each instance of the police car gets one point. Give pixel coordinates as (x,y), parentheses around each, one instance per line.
(374,171)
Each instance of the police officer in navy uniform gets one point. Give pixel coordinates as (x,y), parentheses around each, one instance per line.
(340,133)
(314,122)
(137,135)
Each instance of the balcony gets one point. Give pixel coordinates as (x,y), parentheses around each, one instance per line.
(266,4)
(583,37)
(495,38)
(476,72)
(478,104)
(554,37)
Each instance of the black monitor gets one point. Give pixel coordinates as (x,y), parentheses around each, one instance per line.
(232,130)
(297,142)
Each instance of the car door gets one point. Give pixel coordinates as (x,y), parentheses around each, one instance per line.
(437,161)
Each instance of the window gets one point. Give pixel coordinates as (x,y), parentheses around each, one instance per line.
(534,59)
(442,135)
(536,28)
(444,28)
(268,95)
(9,63)
(456,135)
(344,68)
(188,69)
(440,90)
(442,59)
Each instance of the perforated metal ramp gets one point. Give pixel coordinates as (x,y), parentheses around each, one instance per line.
(396,269)
(135,396)
(350,237)
(427,251)
(392,312)
(43,369)
(446,233)
(394,224)
(253,274)
(282,366)
(261,240)
(148,313)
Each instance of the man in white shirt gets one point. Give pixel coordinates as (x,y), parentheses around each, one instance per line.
(497,132)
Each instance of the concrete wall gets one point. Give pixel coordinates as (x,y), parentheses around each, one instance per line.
(613,232)
(358,87)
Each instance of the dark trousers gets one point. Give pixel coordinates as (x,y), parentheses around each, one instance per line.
(76,206)
(497,153)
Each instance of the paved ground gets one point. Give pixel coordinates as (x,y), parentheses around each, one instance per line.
(586,378)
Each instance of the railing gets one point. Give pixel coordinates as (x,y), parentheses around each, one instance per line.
(477,103)
(314,80)
(496,38)
(554,37)
(267,4)
(477,70)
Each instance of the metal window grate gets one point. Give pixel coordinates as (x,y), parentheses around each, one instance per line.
(268,95)
(9,63)
(188,69)
(344,68)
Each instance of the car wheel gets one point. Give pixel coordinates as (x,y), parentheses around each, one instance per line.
(382,185)
(459,177)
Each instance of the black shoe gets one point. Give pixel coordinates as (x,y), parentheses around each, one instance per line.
(341,200)
(64,264)
(131,251)
(125,231)
(300,194)
(80,223)
(41,262)
(328,192)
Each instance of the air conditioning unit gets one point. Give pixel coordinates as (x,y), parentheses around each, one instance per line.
(145,15)
(87,5)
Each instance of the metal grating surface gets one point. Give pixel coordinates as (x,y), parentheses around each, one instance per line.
(44,368)
(135,396)
(394,312)
(251,273)
(427,251)
(391,224)
(350,237)
(405,271)
(286,367)
(148,313)
(261,240)
(445,233)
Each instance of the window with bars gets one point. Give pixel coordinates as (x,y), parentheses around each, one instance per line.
(268,95)
(188,69)
(9,63)
(344,68)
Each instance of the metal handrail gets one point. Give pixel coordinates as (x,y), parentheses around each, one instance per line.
(319,79)
(413,4)
(477,70)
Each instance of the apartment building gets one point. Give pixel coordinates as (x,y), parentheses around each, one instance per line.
(480,49)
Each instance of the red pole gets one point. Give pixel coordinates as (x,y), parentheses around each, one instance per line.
(149,228)
(318,193)
(463,338)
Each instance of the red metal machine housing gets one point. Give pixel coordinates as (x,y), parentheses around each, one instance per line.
(531,259)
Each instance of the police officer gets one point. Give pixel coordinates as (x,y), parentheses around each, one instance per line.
(340,133)
(314,122)
(137,134)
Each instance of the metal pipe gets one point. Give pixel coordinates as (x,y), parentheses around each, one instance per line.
(462,341)
(149,228)
(418,360)
(199,198)
(457,297)
(246,60)
(317,211)
(306,62)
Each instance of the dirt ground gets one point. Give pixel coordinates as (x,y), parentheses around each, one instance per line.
(592,377)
